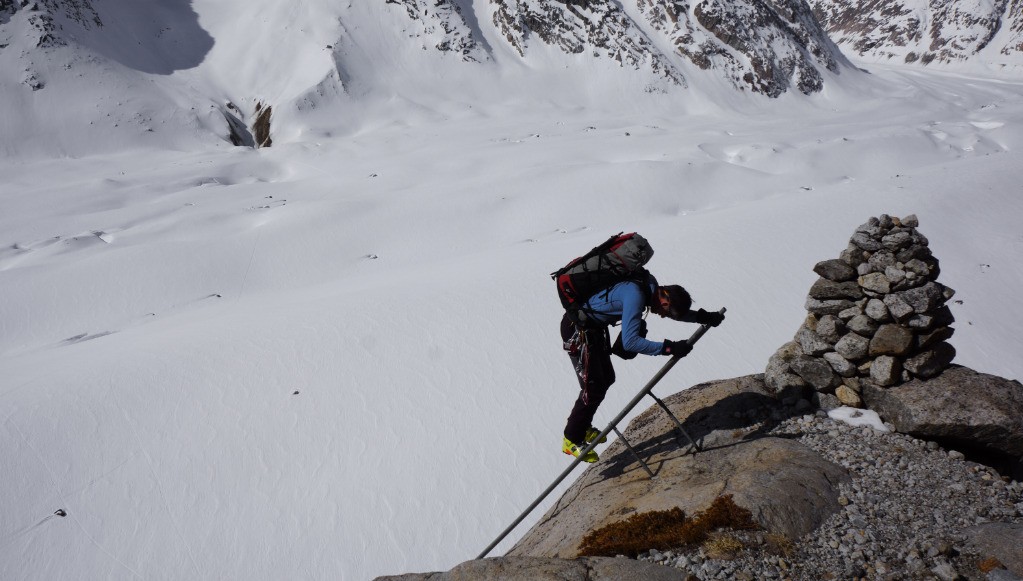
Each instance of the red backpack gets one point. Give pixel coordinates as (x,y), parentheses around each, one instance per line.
(620,258)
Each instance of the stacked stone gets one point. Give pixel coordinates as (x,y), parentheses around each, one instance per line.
(877,314)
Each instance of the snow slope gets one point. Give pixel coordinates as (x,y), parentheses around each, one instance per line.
(337,357)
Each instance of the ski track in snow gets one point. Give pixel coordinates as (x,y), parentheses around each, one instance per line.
(340,359)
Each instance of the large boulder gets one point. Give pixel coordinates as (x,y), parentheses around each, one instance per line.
(1001,541)
(539,569)
(960,407)
(767,476)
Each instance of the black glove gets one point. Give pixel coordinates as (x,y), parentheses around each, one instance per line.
(676,348)
(619,349)
(707,318)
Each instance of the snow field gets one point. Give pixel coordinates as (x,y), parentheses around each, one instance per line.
(162,308)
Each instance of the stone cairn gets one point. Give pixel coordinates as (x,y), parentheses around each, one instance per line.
(876,314)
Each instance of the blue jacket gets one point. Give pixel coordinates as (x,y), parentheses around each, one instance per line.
(625,302)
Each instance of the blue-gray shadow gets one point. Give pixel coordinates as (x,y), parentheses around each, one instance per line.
(152,37)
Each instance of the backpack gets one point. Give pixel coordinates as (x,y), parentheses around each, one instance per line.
(619,259)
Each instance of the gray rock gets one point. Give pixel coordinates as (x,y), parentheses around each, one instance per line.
(766,475)
(897,306)
(825,289)
(520,568)
(891,340)
(849,313)
(865,268)
(895,275)
(836,270)
(882,260)
(885,370)
(910,221)
(826,401)
(865,242)
(872,225)
(876,310)
(830,328)
(960,405)
(853,256)
(811,342)
(789,350)
(885,222)
(814,371)
(923,322)
(925,298)
(782,381)
(863,324)
(853,347)
(841,365)
(999,540)
(828,307)
(934,337)
(932,362)
(875,282)
(897,240)
(918,267)
(917,252)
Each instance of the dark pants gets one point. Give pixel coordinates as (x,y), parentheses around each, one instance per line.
(590,352)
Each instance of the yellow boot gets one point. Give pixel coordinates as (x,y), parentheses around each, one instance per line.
(568,447)
(592,433)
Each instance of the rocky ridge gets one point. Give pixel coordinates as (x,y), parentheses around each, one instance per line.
(766,48)
(600,27)
(925,32)
(763,47)
(441,24)
(47,18)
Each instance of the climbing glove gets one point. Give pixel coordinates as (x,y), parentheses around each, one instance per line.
(712,319)
(676,348)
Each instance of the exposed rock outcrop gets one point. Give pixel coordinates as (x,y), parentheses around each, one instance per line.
(261,127)
(600,27)
(961,408)
(1001,541)
(876,315)
(534,569)
(763,47)
(440,24)
(46,18)
(925,32)
(766,476)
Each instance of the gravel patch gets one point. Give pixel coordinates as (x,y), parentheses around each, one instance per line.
(903,514)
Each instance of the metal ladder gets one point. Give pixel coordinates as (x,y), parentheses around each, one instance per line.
(613,426)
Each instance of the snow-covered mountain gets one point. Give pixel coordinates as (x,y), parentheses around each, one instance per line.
(193,65)
(988,32)
(204,71)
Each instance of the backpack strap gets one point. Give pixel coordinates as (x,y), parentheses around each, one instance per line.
(584,318)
